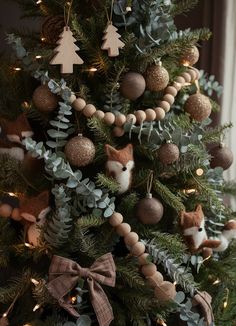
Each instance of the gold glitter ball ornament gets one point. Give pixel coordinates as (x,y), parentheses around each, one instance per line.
(79,151)
(198,106)
(44,99)
(132,85)
(190,56)
(168,153)
(222,156)
(157,78)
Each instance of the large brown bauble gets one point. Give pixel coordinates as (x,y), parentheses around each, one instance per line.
(190,56)
(222,156)
(168,153)
(149,210)
(198,106)
(132,85)
(44,99)
(79,151)
(157,78)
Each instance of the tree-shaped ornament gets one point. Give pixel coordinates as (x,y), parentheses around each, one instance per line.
(66,55)
(111,41)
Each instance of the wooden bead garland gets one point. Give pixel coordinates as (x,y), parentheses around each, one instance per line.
(139,116)
(163,290)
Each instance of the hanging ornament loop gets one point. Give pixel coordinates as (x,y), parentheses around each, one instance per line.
(67,12)
(149,184)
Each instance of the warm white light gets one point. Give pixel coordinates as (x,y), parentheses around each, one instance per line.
(73,300)
(199,172)
(127,9)
(93,69)
(4,315)
(36,307)
(216,282)
(175,283)
(28,245)
(225,304)
(185,63)
(17,68)
(38,2)
(38,57)
(12,194)
(43,39)
(34,281)
(189,191)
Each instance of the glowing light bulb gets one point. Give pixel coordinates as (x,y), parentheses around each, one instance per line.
(12,194)
(216,282)
(36,307)
(225,304)
(93,69)
(38,56)
(4,315)
(73,300)
(43,39)
(38,2)
(17,68)
(199,172)
(34,281)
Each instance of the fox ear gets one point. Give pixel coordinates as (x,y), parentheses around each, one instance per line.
(129,149)
(44,197)
(109,150)
(199,209)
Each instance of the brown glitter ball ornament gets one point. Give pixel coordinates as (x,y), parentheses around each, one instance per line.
(222,156)
(79,151)
(44,99)
(168,153)
(190,57)
(149,210)
(52,27)
(157,78)
(198,106)
(132,85)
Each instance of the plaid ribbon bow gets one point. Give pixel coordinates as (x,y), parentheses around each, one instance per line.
(63,277)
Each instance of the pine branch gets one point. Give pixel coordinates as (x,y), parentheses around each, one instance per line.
(183,6)
(213,135)
(101,131)
(88,221)
(127,271)
(103,181)
(229,187)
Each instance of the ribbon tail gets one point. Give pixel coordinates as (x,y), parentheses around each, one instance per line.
(100,303)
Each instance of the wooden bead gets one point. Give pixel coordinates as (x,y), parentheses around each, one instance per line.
(186,77)
(131,238)
(171,90)
(123,229)
(89,110)
(120,120)
(72,98)
(79,104)
(15,215)
(118,132)
(155,279)
(109,118)
(165,106)
(165,291)
(131,118)
(169,98)
(149,269)
(99,114)
(197,72)
(140,116)
(138,249)
(160,113)
(5,210)
(178,86)
(116,219)
(150,115)
(142,260)
(180,80)
(193,74)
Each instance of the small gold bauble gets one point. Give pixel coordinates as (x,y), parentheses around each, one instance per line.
(79,151)
(157,78)
(190,56)
(222,156)
(149,210)
(198,106)
(168,153)
(132,85)
(44,99)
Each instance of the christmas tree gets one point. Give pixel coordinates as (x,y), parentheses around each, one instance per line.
(112,190)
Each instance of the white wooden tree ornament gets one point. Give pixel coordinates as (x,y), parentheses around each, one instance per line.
(66,55)
(111,41)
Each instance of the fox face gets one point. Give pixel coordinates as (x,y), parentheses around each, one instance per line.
(16,130)
(119,166)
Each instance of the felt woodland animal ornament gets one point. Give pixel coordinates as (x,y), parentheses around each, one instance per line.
(119,166)
(31,213)
(12,134)
(193,228)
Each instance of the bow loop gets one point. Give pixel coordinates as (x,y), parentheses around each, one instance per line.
(64,275)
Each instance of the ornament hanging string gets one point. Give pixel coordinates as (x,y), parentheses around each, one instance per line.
(109,17)
(149,182)
(67,15)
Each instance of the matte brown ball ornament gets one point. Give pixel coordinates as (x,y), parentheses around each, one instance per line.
(190,56)
(157,78)
(44,99)
(168,153)
(132,85)
(222,156)
(79,151)
(198,106)
(149,210)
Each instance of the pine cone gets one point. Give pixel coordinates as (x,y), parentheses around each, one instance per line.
(52,28)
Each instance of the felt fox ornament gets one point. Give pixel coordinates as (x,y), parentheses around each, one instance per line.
(119,166)
(31,213)
(193,228)
(12,133)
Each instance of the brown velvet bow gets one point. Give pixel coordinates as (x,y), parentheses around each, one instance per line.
(64,275)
